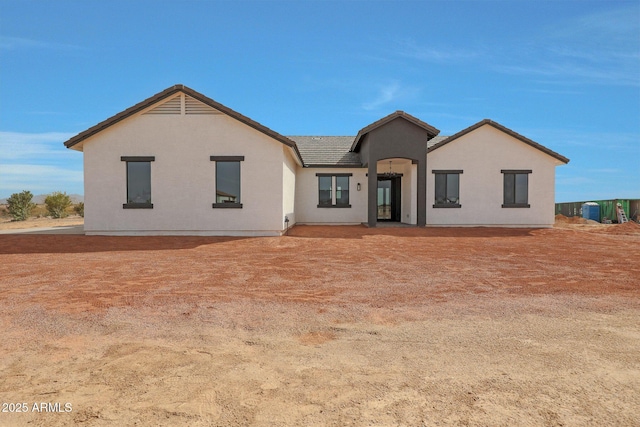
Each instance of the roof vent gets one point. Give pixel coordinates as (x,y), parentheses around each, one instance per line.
(193,106)
(172,106)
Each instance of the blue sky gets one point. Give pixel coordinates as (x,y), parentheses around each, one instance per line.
(563,73)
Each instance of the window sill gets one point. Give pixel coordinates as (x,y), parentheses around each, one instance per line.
(227,205)
(450,205)
(137,206)
(334,206)
(517,205)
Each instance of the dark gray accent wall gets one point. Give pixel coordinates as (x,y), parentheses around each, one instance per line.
(397,139)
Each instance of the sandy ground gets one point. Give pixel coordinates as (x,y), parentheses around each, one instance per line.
(329,326)
(8,224)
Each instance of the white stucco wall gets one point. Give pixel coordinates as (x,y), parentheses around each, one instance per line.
(289,167)
(409,193)
(183,177)
(482,154)
(306,206)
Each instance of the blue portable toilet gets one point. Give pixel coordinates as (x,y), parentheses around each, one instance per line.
(591,210)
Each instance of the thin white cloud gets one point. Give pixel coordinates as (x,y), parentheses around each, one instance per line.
(574,72)
(18,145)
(574,180)
(410,49)
(385,95)
(607,170)
(391,95)
(15,43)
(599,48)
(38,162)
(39,179)
(27,171)
(622,142)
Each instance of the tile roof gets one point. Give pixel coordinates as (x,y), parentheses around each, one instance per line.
(335,150)
(435,141)
(327,150)
(321,151)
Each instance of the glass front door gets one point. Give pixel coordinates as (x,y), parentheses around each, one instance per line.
(384,199)
(389,198)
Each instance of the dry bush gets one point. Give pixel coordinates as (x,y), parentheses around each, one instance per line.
(79,209)
(57,204)
(20,205)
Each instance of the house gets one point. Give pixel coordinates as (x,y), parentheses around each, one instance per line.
(180,163)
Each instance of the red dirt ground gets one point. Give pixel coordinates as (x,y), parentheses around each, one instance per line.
(337,265)
(326,326)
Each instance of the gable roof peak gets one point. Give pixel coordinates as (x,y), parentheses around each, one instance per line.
(431,131)
(504,129)
(168,92)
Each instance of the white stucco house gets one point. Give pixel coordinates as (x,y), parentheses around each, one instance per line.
(180,163)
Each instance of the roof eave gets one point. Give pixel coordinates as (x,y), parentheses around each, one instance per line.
(506,130)
(325,165)
(122,115)
(431,131)
(194,94)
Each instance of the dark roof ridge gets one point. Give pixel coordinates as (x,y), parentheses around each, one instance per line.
(396,114)
(505,130)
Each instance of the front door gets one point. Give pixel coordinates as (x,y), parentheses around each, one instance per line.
(389,198)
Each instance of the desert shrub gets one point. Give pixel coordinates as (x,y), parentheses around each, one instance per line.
(39,211)
(79,209)
(20,206)
(57,204)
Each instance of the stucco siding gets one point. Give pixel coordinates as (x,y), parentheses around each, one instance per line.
(289,167)
(183,177)
(306,206)
(482,154)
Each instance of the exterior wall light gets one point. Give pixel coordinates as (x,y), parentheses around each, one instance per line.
(358,187)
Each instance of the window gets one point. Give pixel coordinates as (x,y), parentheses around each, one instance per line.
(447,192)
(516,188)
(227,181)
(342,191)
(333,190)
(324,185)
(138,182)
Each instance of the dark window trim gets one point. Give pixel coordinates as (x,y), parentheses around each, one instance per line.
(516,171)
(226,158)
(137,205)
(227,205)
(445,172)
(517,205)
(333,189)
(434,171)
(138,158)
(451,205)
